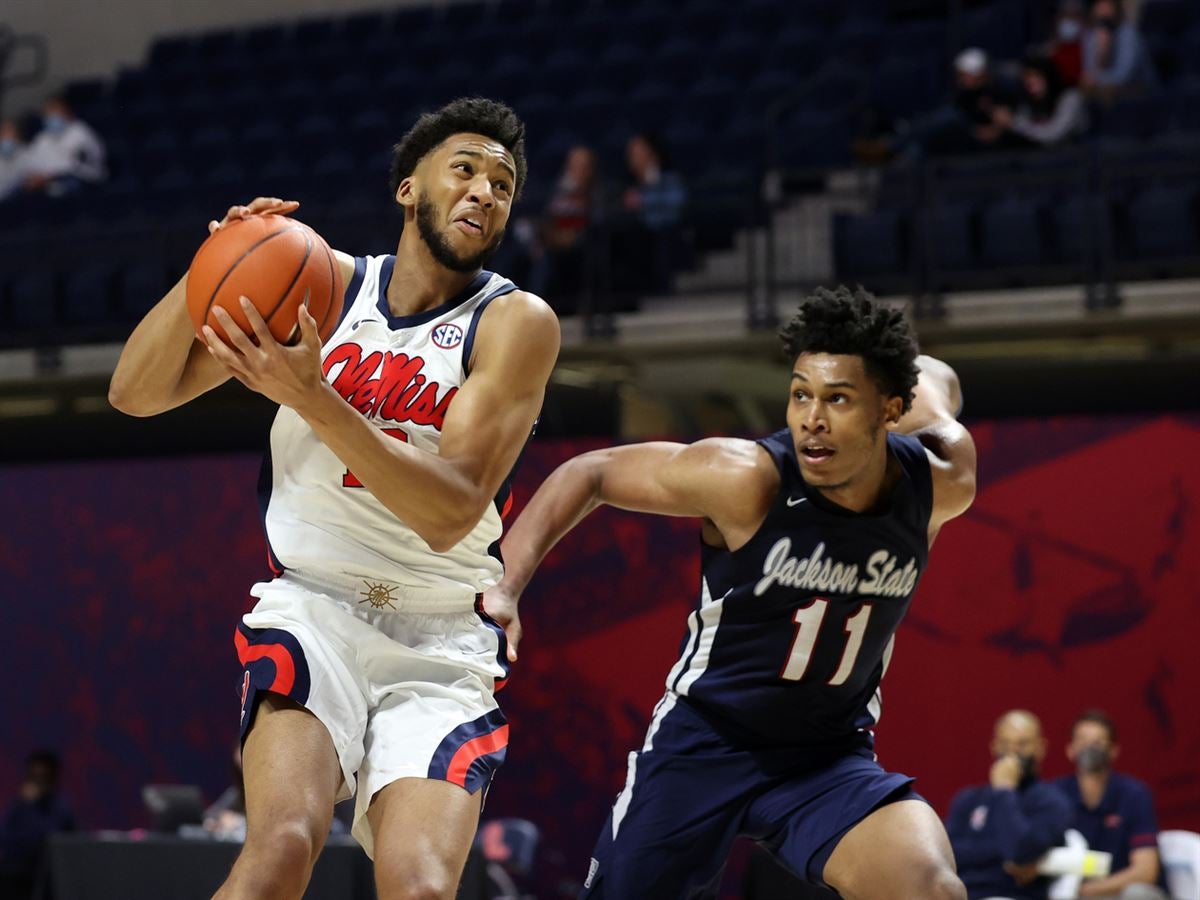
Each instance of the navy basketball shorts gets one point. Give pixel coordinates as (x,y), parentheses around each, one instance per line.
(689,792)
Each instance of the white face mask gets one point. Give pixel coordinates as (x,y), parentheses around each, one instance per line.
(1069,30)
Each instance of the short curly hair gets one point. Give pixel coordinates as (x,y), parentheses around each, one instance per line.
(853,323)
(475,115)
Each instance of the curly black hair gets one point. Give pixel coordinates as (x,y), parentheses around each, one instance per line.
(852,322)
(475,115)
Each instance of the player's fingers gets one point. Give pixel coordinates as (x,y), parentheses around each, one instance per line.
(236,336)
(257,323)
(213,225)
(309,338)
(220,351)
(513,632)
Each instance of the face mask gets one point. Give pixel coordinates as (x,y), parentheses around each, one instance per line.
(1069,30)
(8,147)
(1092,759)
(1028,763)
(55,123)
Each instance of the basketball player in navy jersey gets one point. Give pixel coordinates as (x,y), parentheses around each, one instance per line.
(813,541)
(369,666)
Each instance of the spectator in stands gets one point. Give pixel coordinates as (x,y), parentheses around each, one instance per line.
(37,812)
(1115,61)
(65,155)
(1065,48)
(999,830)
(1114,812)
(648,243)
(1048,113)
(559,250)
(657,194)
(968,124)
(12,158)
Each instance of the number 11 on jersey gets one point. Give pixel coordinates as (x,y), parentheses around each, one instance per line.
(808,621)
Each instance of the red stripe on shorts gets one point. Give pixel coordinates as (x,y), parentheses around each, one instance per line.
(460,764)
(285,667)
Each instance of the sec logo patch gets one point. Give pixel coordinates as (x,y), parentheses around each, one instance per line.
(447,336)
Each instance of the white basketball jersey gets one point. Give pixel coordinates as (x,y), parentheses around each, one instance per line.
(402,374)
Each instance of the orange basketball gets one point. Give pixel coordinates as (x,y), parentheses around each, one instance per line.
(277,263)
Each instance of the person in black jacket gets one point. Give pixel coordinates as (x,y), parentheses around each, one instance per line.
(999,830)
(35,813)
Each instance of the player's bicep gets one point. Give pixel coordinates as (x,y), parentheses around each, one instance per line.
(486,428)
(492,416)
(693,480)
(653,477)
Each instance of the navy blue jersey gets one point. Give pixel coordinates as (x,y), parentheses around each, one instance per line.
(793,631)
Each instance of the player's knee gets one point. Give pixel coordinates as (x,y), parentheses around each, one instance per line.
(940,883)
(286,846)
(407,879)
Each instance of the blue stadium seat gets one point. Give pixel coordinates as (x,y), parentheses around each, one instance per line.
(140,285)
(926,39)
(1138,117)
(798,51)
(218,46)
(265,40)
(1076,222)
(513,76)
(33,299)
(621,67)
(173,50)
(736,55)
(364,28)
(87,294)
(597,27)
(590,110)
(1163,221)
(651,103)
(811,138)
(649,28)
(566,72)
(1011,233)
(705,21)
(765,18)
(1186,113)
(903,86)
(999,29)
(858,39)
(680,61)
(710,101)
(870,243)
(768,88)
(1165,18)
(949,236)
(314,34)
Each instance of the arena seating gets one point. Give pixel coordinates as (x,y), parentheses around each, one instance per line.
(310,109)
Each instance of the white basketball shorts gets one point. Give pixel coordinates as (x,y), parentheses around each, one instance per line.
(404,686)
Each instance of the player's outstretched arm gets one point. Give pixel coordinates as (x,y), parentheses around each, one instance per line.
(729,482)
(933,419)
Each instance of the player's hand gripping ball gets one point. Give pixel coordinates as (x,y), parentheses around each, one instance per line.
(277,262)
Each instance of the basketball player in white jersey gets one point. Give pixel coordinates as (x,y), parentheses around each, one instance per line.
(369,664)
